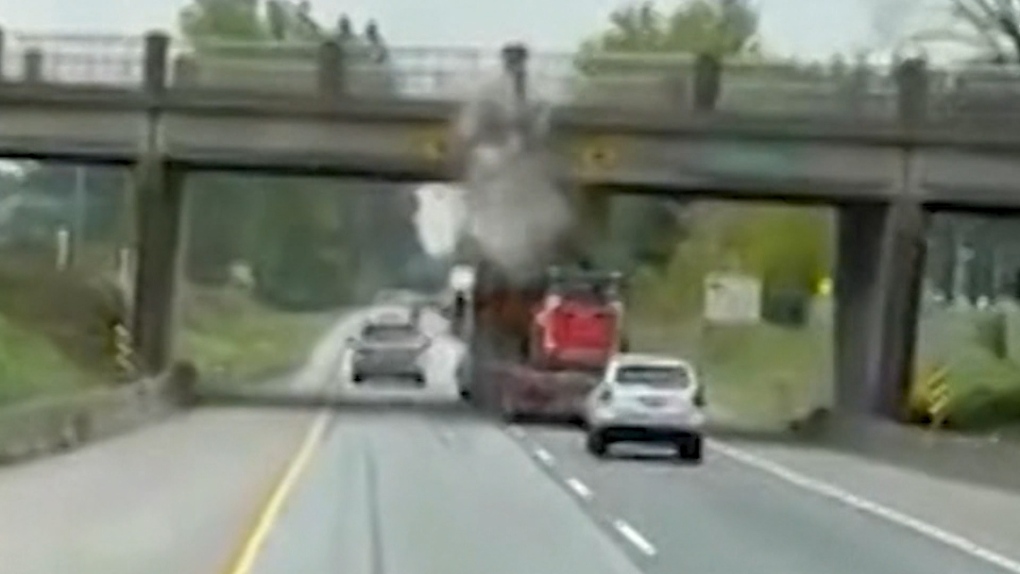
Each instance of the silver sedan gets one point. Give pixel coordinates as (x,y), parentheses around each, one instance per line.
(388,351)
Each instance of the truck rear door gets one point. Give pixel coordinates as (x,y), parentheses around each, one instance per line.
(582,331)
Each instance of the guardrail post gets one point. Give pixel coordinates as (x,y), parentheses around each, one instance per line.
(857,88)
(156,62)
(185,71)
(708,71)
(33,71)
(515,64)
(332,70)
(913,90)
(3,52)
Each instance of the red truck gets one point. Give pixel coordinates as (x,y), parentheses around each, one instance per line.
(536,350)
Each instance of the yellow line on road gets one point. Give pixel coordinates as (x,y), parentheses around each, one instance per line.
(269,513)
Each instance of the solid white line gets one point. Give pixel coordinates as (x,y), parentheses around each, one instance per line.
(634,537)
(885,513)
(580,488)
(544,456)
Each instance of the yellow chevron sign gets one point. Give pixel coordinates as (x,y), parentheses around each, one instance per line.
(432,144)
(597,155)
(939,397)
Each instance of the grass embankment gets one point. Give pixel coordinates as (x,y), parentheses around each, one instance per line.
(55,330)
(763,374)
(230,336)
(54,334)
(755,376)
(982,380)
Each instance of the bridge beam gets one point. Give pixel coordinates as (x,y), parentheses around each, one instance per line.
(160,199)
(881,252)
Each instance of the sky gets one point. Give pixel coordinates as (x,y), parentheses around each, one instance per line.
(811,29)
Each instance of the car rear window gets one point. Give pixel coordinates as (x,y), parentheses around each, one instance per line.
(387,332)
(654,376)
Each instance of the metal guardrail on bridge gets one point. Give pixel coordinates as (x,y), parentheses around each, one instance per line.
(639,81)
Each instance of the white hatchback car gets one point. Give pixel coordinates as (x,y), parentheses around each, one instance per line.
(646,398)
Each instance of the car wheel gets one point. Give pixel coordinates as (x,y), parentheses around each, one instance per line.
(596,444)
(688,448)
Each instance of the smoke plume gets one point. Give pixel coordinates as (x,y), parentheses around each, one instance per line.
(509,202)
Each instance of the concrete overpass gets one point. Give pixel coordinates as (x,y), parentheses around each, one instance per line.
(884,158)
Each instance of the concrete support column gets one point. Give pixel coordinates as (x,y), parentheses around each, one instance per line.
(160,198)
(878,281)
(595,206)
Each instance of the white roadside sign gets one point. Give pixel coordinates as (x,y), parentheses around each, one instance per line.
(462,278)
(732,298)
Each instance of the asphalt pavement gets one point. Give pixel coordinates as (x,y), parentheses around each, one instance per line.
(415,493)
(741,511)
(411,491)
(174,497)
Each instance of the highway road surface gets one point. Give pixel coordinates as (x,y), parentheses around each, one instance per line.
(424,491)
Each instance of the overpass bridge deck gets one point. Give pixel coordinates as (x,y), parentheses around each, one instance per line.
(295,109)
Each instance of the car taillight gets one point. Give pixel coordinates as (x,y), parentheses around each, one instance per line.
(605,396)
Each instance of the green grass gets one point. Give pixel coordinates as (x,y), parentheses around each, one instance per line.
(759,375)
(55,328)
(230,336)
(984,387)
(764,374)
(31,365)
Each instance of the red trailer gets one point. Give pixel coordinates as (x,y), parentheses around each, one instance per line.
(536,350)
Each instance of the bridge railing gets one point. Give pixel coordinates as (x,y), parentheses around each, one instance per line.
(656,82)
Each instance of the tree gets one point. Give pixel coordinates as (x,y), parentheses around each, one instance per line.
(719,27)
(993,26)
(787,247)
(301,235)
(645,230)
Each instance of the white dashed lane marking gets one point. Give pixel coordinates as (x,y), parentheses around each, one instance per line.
(579,488)
(544,456)
(634,537)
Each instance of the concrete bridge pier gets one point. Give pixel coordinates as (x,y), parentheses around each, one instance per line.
(160,201)
(881,251)
(594,213)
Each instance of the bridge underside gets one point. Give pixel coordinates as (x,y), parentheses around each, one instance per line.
(880,264)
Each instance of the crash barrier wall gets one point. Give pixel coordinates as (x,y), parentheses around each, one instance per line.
(54,424)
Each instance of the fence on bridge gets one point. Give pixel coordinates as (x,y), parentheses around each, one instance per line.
(641,81)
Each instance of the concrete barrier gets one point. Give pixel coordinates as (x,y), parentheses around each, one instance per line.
(54,424)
